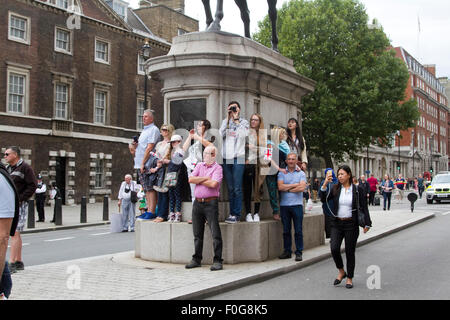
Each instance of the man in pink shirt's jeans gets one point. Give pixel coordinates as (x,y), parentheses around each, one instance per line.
(207,177)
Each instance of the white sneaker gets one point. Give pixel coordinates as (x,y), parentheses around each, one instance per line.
(256,218)
(249,218)
(172,217)
(177,217)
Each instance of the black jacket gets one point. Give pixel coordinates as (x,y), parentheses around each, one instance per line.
(5,173)
(332,197)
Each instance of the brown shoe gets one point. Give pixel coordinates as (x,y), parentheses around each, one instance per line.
(158,219)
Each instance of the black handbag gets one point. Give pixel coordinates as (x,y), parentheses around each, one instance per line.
(361,215)
(133,197)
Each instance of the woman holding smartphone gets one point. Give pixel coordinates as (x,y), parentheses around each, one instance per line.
(347,198)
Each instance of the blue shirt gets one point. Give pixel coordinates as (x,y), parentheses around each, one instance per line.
(149,135)
(291,198)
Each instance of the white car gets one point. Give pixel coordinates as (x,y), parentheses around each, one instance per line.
(439,189)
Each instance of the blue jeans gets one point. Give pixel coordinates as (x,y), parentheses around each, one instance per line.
(163,205)
(289,214)
(6,282)
(234,174)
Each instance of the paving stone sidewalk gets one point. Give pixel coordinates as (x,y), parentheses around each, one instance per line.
(122,277)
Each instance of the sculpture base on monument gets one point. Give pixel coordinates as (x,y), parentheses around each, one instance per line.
(242,242)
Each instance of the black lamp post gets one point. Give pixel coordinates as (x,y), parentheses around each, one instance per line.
(144,52)
(412,134)
(399,166)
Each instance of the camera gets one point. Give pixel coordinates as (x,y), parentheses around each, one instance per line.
(135,139)
(233,109)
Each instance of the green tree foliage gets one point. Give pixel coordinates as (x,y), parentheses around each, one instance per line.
(360,91)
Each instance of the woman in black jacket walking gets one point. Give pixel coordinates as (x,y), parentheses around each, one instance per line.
(346,197)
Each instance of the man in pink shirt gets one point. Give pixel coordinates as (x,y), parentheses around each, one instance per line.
(207,177)
(373,182)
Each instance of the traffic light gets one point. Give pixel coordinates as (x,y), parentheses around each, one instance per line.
(431,169)
(398,165)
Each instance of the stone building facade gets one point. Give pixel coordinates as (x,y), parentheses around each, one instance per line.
(72,91)
(166,18)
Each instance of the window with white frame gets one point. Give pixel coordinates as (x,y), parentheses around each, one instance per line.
(19,28)
(102,51)
(120,9)
(17,95)
(63,41)
(99,173)
(61,100)
(139,114)
(100,106)
(141,62)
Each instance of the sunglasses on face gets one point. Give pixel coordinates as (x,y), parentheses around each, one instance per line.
(7,154)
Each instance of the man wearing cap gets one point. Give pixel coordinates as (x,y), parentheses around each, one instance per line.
(25,181)
(207,177)
(41,191)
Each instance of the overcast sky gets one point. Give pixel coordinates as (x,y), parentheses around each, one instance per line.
(399,19)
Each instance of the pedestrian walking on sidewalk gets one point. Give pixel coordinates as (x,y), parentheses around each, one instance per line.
(25,181)
(207,177)
(400,185)
(387,186)
(347,199)
(55,193)
(373,182)
(40,196)
(127,200)
(291,185)
(420,185)
(9,216)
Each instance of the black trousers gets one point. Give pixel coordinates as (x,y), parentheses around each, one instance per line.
(202,212)
(371,197)
(341,230)
(40,203)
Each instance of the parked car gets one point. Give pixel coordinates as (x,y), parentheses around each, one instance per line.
(439,189)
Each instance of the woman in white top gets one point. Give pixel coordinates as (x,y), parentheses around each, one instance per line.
(296,141)
(344,198)
(128,207)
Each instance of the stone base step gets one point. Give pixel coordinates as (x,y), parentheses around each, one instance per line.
(242,242)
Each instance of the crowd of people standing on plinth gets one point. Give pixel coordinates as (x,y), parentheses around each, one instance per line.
(249,159)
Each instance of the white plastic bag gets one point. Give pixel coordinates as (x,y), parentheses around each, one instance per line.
(116,220)
(309,205)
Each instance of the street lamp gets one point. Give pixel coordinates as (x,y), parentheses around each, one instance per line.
(144,52)
(412,134)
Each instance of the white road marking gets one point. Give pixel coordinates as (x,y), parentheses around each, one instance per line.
(60,239)
(100,234)
(23,245)
(445,213)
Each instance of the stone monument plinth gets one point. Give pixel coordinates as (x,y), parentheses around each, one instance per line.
(200,75)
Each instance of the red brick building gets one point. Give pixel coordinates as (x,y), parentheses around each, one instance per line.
(72,90)
(430,136)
